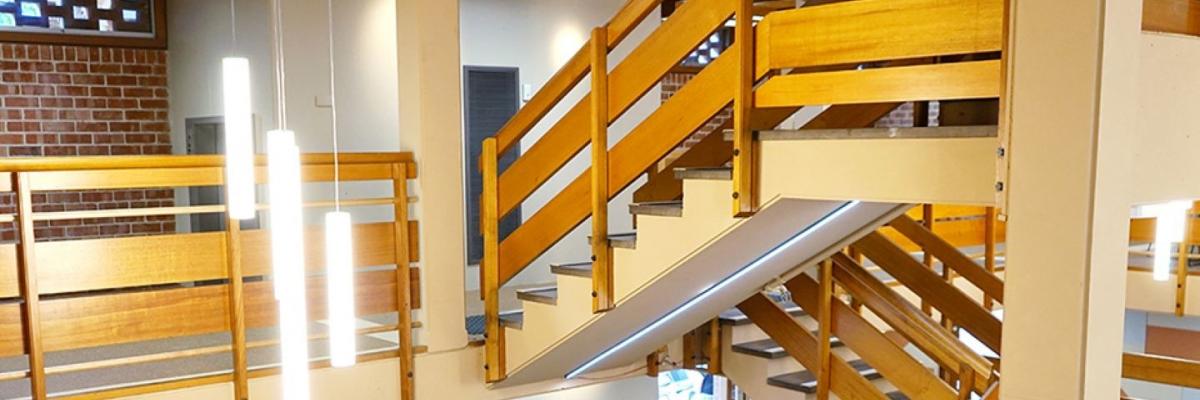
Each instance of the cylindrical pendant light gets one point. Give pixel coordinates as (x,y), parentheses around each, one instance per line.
(287,258)
(339,252)
(239,129)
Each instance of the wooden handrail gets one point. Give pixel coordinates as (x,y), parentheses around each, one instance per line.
(1161,369)
(32,164)
(988,282)
(618,28)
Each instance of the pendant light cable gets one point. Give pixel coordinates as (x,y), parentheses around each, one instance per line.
(233,27)
(337,192)
(280,70)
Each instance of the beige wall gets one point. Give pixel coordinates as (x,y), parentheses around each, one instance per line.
(1168,132)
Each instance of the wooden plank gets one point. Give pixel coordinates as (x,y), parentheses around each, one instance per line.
(78,163)
(823,310)
(879,30)
(490,279)
(699,100)
(90,321)
(602,268)
(802,346)
(962,80)
(404,287)
(192,176)
(945,297)
(374,245)
(745,192)
(948,211)
(237,307)
(988,282)
(1171,16)
(890,359)
(636,74)
(31,318)
(959,233)
(1141,230)
(1159,369)
(905,318)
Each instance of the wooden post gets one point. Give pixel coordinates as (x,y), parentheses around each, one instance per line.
(715,366)
(403,279)
(966,382)
(602,279)
(744,158)
(989,250)
(652,364)
(489,226)
(857,256)
(1181,270)
(237,309)
(825,325)
(27,279)
(927,221)
(689,350)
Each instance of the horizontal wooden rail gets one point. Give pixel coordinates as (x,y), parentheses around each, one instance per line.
(988,282)
(567,77)
(953,81)
(631,79)
(1160,369)
(32,164)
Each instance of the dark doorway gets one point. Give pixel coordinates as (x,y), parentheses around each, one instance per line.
(491,96)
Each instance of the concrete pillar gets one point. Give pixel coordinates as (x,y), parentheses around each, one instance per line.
(1074,86)
(430,125)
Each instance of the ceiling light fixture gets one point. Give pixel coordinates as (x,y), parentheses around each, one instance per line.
(339,252)
(239,129)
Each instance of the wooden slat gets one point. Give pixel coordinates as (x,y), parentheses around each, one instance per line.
(237,307)
(823,310)
(602,269)
(989,250)
(89,321)
(945,297)
(403,274)
(878,30)
(636,74)
(1183,258)
(904,317)
(946,211)
(802,346)
(1141,230)
(374,245)
(193,176)
(745,192)
(78,163)
(1159,369)
(1171,16)
(31,337)
(988,282)
(890,359)
(960,233)
(692,106)
(962,80)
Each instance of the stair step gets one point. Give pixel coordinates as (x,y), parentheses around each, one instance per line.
(934,132)
(805,381)
(512,319)
(705,173)
(735,317)
(621,240)
(547,295)
(581,269)
(897,395)
(658,208)
(770,350)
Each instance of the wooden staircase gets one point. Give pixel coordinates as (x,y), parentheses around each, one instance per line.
(790,59)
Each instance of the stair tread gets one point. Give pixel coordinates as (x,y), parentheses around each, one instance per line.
(805,381)
(512,319)
(736,318)
(546,295)
(897,395)
(581,269)
(626,240)
(705,173)
(769,349)
(658,208)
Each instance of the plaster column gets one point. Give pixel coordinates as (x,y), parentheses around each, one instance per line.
(1073,74)
(430,125)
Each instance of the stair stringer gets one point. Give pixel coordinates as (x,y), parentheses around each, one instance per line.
(833,224)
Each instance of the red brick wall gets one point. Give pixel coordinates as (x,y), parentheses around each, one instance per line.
(86,101)
(671,84)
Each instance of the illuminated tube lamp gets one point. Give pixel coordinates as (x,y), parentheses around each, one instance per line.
(1168,229)
(239,138)
(287,259)
(339,259)
(758,262)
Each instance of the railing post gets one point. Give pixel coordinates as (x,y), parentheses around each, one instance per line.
(989,250)
(237,310)
(403,279)
(27,279)
(825,326)
(715,363)
(926,258)
(745,196)
(489,220)
(602,287)
(1181,270)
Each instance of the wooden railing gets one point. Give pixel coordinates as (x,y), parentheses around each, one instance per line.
(1160,369)
(82,294)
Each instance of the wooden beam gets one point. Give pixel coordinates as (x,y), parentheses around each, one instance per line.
(745,192)
(951,258)
(1171,16)
(1159,369)
(961,80)
(847,383)
(945,297)
(602,269)
(490,265)
(27,276)
(404,286)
